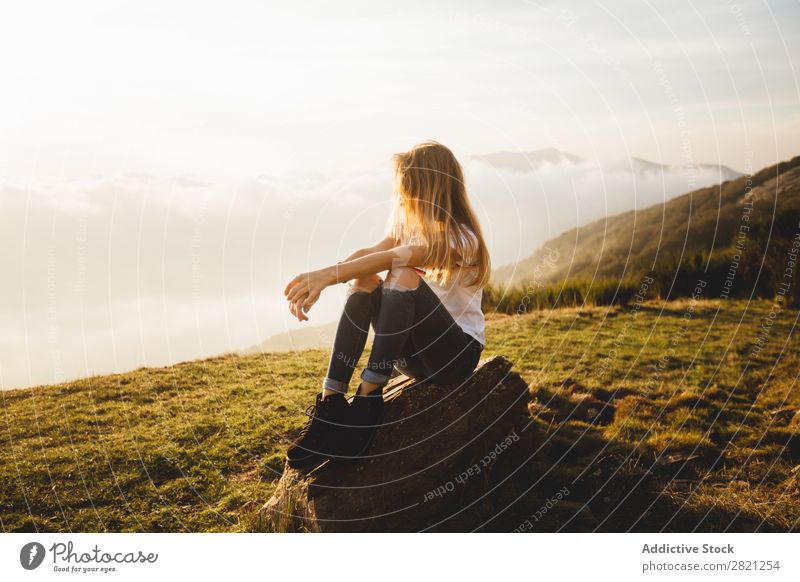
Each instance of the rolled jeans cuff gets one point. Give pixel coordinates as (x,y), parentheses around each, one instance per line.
(335,385)
(374,377)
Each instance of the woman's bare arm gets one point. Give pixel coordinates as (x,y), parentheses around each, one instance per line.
(304,290)
(373,263)
(386,244)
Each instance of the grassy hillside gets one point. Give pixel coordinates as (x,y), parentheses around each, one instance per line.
(696,429)
(697,233)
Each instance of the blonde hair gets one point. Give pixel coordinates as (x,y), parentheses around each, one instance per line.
(432,208)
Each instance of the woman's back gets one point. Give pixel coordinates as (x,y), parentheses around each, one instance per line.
(462,298)
(464,304)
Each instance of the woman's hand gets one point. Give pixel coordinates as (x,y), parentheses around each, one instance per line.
(297,310)
(303,291)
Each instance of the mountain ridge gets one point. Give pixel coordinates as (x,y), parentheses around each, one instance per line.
(704,220)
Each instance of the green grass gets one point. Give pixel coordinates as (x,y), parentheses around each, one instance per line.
(682,405)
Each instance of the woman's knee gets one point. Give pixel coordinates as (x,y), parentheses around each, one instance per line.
(365,284)
(403,278)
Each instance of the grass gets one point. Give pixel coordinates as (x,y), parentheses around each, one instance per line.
(683,406)
(518,299)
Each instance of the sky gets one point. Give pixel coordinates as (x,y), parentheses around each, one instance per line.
(165,167)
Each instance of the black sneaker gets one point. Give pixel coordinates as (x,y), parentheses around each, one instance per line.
(366,414)
(323,434)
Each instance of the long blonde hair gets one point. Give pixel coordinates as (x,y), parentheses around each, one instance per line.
(431,204)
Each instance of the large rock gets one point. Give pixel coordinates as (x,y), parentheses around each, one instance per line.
(436,464)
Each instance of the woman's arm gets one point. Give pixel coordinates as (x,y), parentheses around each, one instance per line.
(373,263)
(386,244)
(304,290)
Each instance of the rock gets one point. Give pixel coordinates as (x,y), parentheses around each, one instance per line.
(435,464)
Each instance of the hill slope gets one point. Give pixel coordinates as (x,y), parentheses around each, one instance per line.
(705,437)
(704,222)
(315,337)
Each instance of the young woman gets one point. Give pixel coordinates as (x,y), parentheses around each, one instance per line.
(426,313)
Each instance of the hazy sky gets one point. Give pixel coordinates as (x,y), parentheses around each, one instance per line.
(237,88)
(165,167)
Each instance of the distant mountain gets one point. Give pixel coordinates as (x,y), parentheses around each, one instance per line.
(704,222)
(304,338)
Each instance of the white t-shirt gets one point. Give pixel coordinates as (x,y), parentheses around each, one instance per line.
(463,301)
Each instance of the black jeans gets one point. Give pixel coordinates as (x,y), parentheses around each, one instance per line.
(414,333)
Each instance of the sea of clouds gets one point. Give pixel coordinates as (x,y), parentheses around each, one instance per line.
(113,273)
